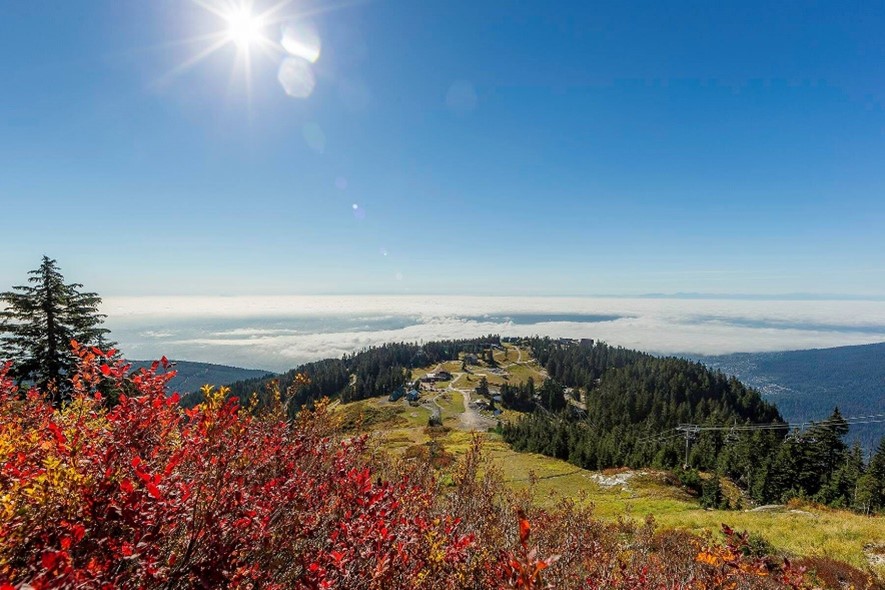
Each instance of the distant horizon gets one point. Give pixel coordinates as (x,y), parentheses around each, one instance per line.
(568,295)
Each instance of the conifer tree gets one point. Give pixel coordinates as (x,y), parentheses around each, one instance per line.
(38,322)
(876,473)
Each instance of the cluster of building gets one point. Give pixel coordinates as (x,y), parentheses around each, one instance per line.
(412,395)
(442,375)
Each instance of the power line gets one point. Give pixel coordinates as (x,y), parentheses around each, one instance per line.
(850,421)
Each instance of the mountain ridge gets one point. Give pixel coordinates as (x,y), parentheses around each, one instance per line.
(191,375)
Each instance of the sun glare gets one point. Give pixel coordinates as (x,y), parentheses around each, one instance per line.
(273,34)
(243,28)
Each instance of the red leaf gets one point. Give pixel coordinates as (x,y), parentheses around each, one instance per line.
(154,491)
(57,433)
(78,530)
(49,559)
(136,461)
(127,486)
(105,370)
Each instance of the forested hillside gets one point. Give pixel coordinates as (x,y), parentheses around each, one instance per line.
(604,407)
(634,404)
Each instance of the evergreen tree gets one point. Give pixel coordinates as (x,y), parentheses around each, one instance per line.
(38,323)
(552,395)
(876,480)
(867,494)
(842,486)
(711,493)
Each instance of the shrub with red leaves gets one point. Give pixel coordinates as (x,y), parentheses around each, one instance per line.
(148,495)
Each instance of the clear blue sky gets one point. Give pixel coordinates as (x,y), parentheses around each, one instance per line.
(491,147)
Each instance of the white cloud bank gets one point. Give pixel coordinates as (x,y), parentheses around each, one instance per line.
(270,332)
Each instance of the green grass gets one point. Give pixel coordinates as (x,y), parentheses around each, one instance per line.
(521,373)
(379,414)
(834,533)
(452,403)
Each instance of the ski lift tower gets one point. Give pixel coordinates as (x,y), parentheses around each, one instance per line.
(691,432)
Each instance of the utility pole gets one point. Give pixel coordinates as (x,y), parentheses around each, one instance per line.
(691,432)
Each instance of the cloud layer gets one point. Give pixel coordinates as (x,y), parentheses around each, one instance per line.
(280,332)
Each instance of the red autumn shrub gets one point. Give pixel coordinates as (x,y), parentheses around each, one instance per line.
(148,495)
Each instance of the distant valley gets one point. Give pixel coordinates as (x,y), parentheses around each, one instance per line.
(807,384)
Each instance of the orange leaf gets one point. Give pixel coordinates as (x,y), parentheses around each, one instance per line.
(524,530)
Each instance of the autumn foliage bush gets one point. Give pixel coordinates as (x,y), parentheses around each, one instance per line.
(145,494)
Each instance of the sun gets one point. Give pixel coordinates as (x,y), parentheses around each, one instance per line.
(250,27)
(243,27)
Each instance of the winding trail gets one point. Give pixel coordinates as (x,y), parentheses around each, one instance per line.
(471,419)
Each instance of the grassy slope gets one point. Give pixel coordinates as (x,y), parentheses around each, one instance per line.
(809,531)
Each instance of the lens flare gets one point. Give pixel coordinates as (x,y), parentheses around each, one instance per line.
(302,40)
(314,136)
(296,77)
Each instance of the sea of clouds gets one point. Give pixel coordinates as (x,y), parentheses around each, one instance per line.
(278,333)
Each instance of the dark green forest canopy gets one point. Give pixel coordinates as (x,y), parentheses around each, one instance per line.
(634,401)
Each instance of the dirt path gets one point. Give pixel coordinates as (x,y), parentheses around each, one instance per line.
(471,419)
